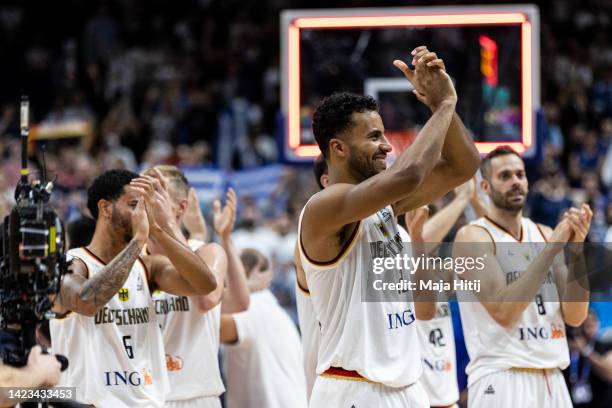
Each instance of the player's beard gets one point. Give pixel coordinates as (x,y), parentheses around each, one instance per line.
(122,224)
(501,200)
(360,165)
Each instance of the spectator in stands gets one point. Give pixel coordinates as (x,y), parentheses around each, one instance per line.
(592,194)
(252,232)
(578,135)
(606,137)
(590,155)
(590,373)
(283,285)
(554,141)
(550,196)
(608,236)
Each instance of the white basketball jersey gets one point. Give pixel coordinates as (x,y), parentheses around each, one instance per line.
(439,360)
(538,338)
(376,339)
(311,333)
(116,358)
(264,369)
(437,341)
(191,340)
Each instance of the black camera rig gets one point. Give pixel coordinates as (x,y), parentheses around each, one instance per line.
(32,257)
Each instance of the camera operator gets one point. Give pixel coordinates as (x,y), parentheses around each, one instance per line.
(41,371)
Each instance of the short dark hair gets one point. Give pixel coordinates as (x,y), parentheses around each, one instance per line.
(81,231)
(107,186)
(334,115)
(320,168)
(485,164)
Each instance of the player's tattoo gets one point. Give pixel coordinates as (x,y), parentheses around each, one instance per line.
(102,287)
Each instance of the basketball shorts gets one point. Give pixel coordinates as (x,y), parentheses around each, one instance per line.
(520,387)
(348,393)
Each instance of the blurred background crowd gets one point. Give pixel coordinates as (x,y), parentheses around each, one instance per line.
(135,83)
(197,84)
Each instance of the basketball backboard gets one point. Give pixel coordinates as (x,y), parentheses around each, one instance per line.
(491,52)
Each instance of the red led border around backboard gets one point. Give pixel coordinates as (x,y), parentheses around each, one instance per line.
(421,20)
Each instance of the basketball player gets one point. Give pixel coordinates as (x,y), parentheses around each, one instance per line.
(112,338)
(436,329)
(515,333)
(436,334)
(262,356)
(367,356)
(309,327)
(320,172)
(190,325)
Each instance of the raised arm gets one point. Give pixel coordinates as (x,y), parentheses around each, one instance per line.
(85,295)
(478,204)
(235,297)
(187,267)
(424,301)
(342,204)
(164,275)
(438,226)
(459,157)
(193,220)
(572,283)
(506,302)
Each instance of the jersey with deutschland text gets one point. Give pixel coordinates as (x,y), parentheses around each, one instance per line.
(538,338)
(116,358)
(191,340)
(377,339)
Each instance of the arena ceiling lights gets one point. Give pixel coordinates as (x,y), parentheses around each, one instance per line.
(293,21)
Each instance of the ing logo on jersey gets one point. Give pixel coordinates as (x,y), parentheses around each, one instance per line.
(401,319)
(541,333)
(124,294)
(133,378)
(557,332)
(438,365)
(148,378)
